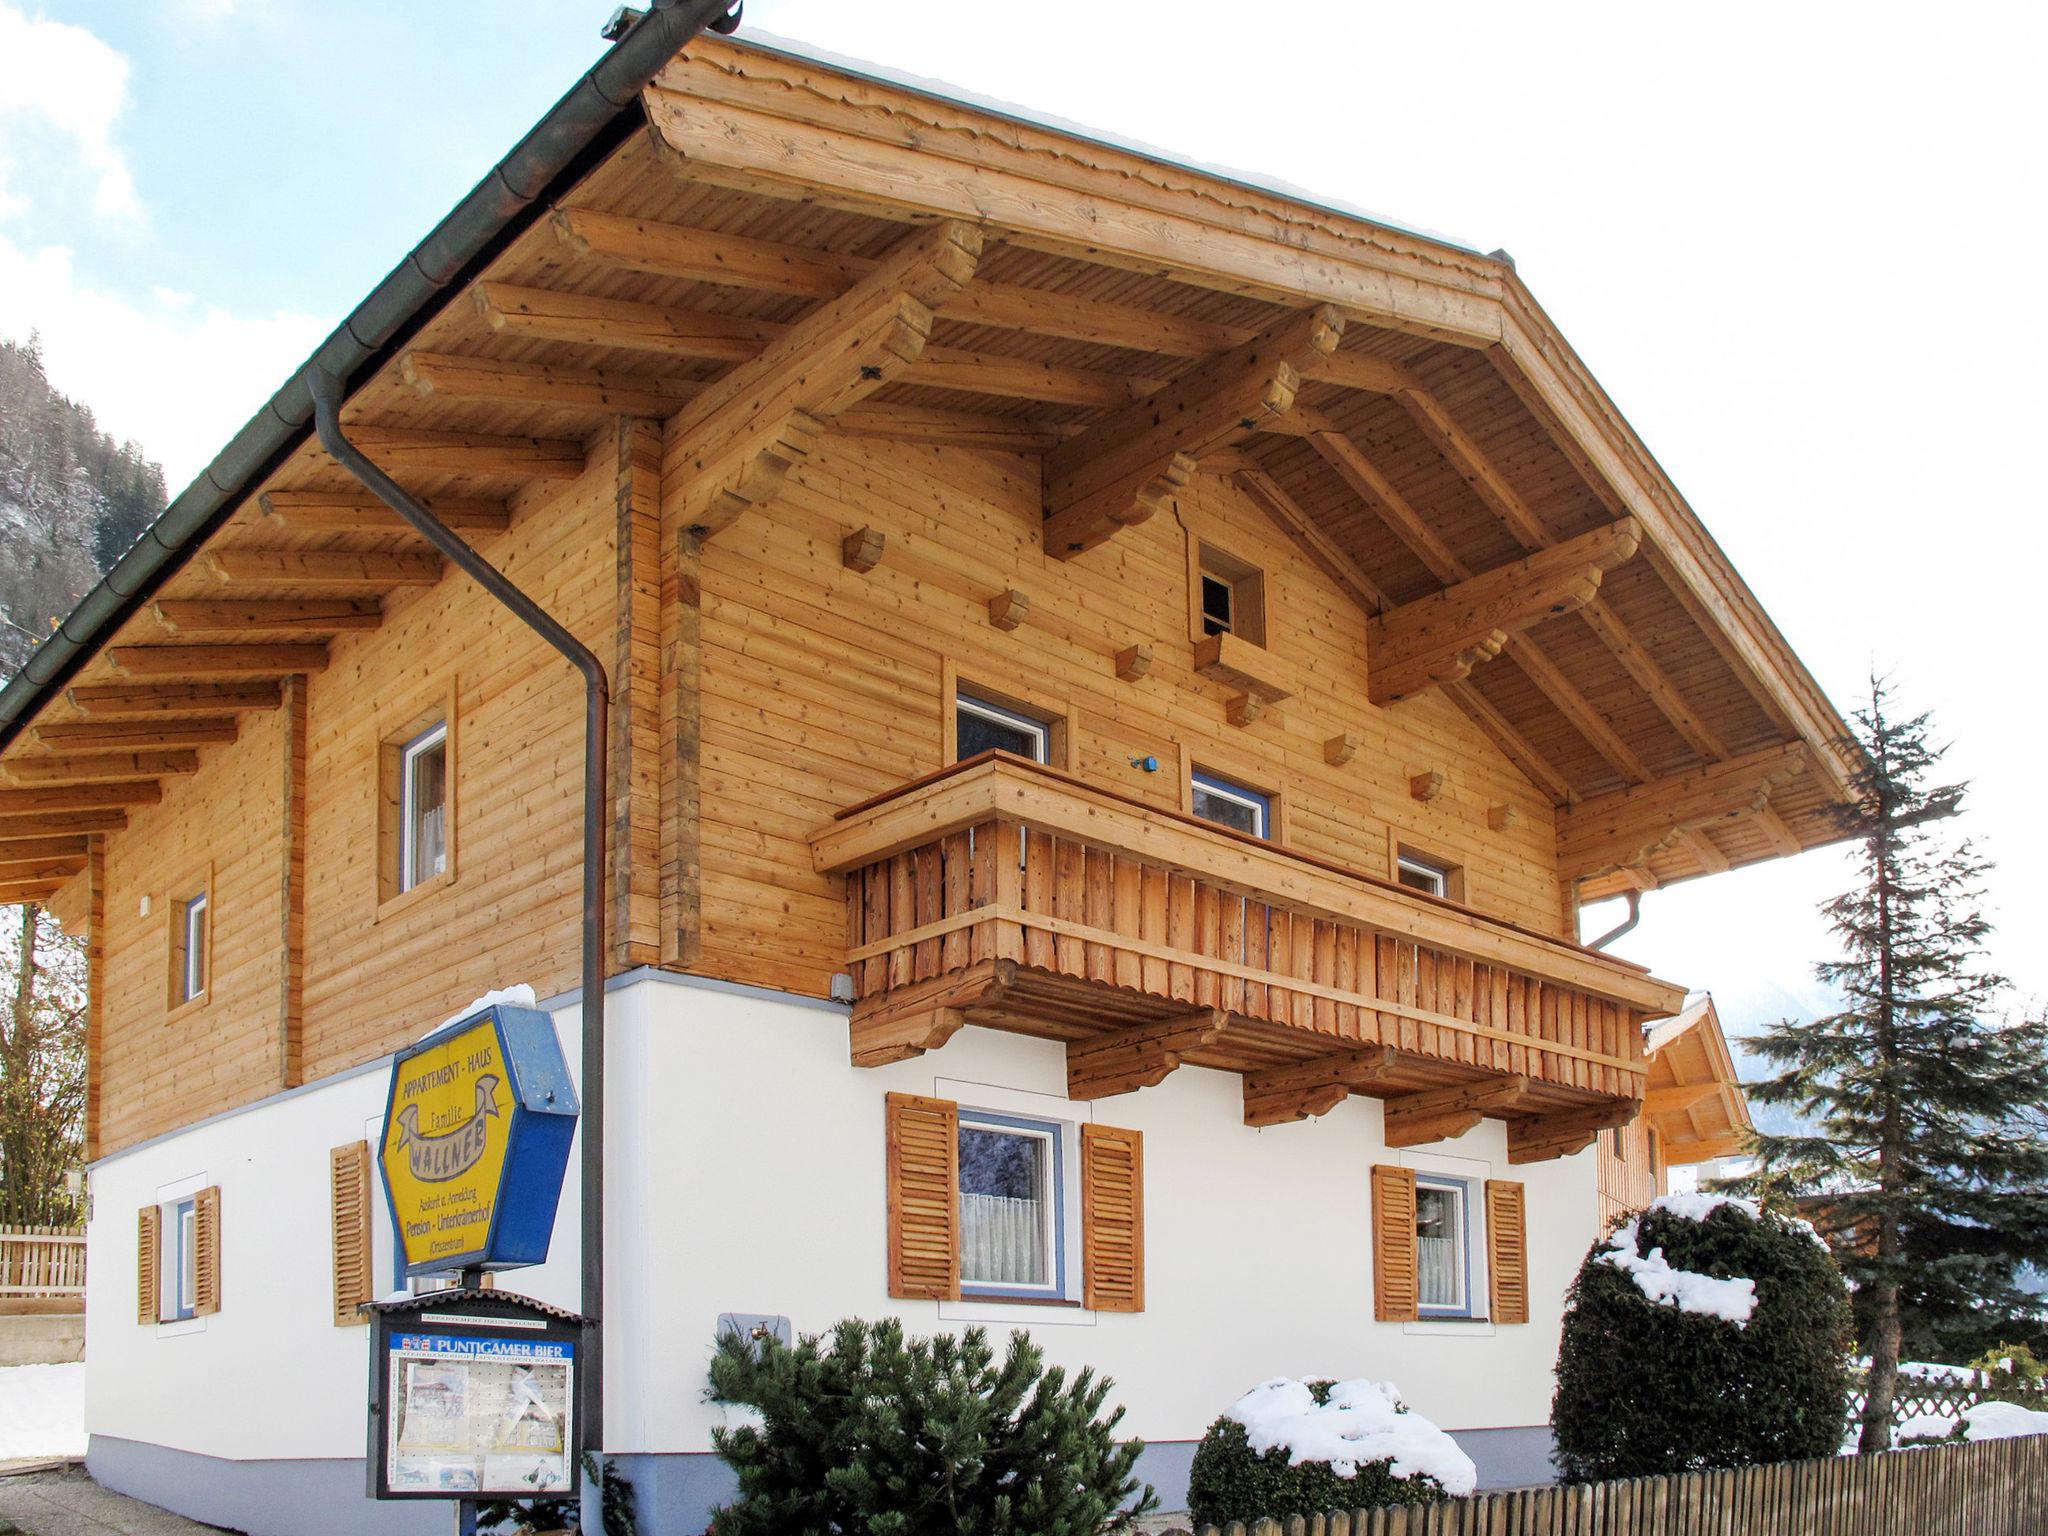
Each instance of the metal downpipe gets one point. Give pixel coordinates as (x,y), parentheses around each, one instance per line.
(1635,915)
(327,397)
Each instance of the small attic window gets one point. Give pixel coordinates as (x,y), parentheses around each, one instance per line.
(1229,596)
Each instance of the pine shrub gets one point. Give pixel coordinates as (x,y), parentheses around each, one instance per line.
(865,1430)
(1644,1388)
(1229,1481)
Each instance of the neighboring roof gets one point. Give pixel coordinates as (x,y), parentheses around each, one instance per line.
(1693,1098)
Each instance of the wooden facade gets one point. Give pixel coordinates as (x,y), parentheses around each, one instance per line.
(822,402)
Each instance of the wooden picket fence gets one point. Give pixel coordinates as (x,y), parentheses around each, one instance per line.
(42,1261)
(1986,1488)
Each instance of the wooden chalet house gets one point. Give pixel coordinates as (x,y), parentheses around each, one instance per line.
(1121,679)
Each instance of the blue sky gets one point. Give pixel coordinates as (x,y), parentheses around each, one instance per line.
(1797,245)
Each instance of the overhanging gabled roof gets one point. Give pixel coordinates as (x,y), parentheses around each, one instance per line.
(1435,438)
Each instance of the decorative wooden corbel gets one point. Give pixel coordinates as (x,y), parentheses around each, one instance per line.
(1139,1057)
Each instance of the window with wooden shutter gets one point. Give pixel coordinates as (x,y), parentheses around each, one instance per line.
(924,1197)
(149,1247)
(1395,1297)
(349,1191)
(1507,1252)
(206,1251)
(1113,1218)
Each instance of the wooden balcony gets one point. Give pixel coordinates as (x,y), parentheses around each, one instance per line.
(1009,895)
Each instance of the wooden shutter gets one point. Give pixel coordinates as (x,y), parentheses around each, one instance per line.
(149,1247)
(1113,1218)
(924,1197)
(348,1169)
(1507,1252)
(1395,1288)
(206,1251)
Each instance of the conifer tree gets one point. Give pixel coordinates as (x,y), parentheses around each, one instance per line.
(1921,1106)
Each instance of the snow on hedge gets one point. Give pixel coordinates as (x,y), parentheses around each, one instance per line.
(1705,1295)
(2002,1421)
(1363,1422)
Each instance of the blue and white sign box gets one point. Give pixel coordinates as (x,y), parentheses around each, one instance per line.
(477,1125)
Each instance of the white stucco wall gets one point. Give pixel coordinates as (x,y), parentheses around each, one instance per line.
(269,1375)
(746,1175)
(763,1193)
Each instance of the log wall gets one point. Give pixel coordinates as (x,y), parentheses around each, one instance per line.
(822,686)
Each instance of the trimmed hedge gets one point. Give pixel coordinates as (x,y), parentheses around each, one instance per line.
(1228,1482)
(1644,1388)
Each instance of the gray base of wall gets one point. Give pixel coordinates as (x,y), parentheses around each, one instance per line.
(675,1493)
(263,1498)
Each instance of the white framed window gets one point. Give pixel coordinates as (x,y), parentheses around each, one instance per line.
(423,807)
(181,1267)
(1443,1246)
(189,984)
(983,726)
(1228,804)
(1012,1206)
(1420,874)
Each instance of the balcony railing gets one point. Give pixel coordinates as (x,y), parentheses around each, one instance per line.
(1003,893)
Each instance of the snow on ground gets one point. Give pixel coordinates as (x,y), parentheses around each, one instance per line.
(42,1411)
(1731,1300)
(1363,1422)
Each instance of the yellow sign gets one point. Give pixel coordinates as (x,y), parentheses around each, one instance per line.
(444,1144)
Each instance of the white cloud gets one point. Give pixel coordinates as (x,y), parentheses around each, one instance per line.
(60,84)
(178,376)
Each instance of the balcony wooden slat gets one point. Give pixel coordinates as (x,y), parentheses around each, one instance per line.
(998,787)
(1089,925)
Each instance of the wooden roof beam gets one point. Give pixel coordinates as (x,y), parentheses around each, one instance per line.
(1116,473)
(41,826)
(673,250)
(130,700)
(1389,505)
(98,767)
(1514,746)
(44,799)
(321,616)
(216,661)
(358,512)
(574,320)
(1139,1057)
(1438,639)
(345,569)
(132,735)
(45,851)
(437,376)
(1443,1114)
(406,450)
(733,444)
(14,892)
(1622,829)
(1276,1095)
(15,868)
(1583,714)
(1322,551)
(958,429)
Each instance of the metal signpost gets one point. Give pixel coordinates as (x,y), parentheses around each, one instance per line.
(473,1390)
